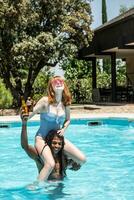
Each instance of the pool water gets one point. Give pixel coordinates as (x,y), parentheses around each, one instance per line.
(107,174)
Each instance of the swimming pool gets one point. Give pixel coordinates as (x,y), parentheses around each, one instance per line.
(107,174)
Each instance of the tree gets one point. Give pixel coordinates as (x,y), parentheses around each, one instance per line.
(104,12)
(40,84)
(5,97)
(78,73)
(76,69)
(38,33)
(124,8)
(106,61)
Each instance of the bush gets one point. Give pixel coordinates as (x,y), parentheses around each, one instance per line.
(81,90)
(6,98)
(41,84)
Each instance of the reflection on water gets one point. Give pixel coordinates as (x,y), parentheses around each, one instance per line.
(107,174)
(51,191)
(55,191)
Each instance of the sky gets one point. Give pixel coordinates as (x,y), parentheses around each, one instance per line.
(113,7)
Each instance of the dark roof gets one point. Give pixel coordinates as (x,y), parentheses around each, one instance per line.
(117,19)
(116,35)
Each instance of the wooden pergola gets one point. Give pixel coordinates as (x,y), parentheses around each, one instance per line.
(115,39)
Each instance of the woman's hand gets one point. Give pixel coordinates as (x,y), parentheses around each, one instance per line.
(61,132)
(72,165)
(23,116)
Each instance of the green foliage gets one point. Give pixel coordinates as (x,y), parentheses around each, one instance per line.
(40,84)
(121,73)
(103,80)
(76,69)
(34,34)
(107,65)
(104,77)
(5,97)
(106,61)
(78,74)
(81,90)
(104,12)
(124,8)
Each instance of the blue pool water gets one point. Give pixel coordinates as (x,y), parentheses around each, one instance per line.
(107,174)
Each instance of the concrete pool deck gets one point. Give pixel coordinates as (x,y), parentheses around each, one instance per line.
(88,111)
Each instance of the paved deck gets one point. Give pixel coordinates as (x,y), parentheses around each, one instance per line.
(89,111)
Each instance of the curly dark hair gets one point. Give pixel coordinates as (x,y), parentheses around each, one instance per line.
(62,157)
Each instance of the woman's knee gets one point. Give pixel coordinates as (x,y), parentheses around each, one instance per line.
(83,159)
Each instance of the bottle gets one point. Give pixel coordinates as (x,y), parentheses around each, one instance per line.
(24,106)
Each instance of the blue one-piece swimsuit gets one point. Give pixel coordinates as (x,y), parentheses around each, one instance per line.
(48,122)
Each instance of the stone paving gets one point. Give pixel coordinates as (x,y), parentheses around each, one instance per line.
(104,108)
(84,111)
(107,110)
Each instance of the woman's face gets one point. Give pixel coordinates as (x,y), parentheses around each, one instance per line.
(58,85)
(56,144)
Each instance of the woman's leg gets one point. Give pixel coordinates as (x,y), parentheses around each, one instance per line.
(46,156)
(74,153)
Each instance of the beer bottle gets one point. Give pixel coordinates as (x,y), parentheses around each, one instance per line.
(24,106)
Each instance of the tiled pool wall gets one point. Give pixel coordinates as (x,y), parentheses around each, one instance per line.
(104,121)
(89,122)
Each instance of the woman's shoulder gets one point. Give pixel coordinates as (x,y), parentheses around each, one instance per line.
(41,105)
(43,100)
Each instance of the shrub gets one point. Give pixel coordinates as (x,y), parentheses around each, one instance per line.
(6,98)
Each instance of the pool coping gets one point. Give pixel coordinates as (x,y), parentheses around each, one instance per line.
(129,116)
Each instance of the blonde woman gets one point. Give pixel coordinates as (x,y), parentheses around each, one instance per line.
(54,115)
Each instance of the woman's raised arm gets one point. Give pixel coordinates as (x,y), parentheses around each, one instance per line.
(39,107)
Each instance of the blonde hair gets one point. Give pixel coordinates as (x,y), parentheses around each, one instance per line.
(66,96)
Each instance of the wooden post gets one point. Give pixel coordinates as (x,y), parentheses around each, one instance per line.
(113,76)
(94,83)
